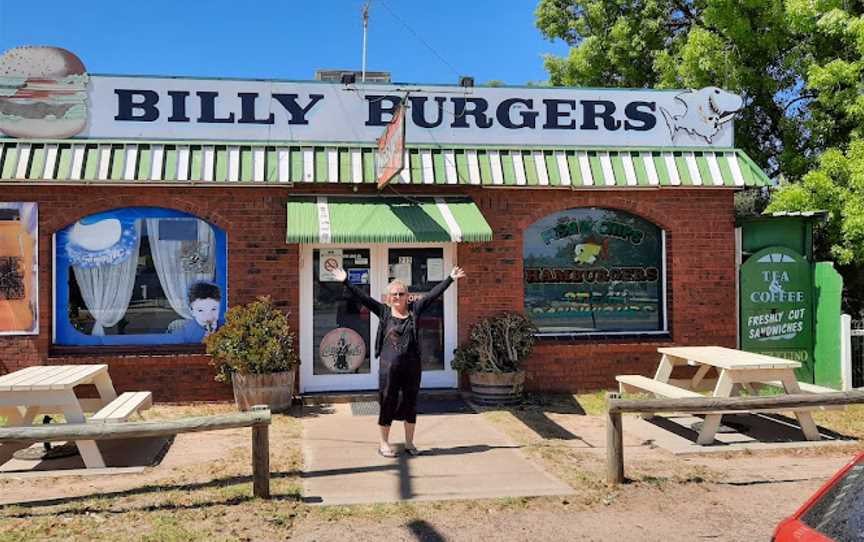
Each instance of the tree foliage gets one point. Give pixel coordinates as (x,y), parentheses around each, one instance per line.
(836,186)
(780,56)
(799,64)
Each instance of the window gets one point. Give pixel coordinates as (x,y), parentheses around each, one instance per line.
(138,276)
(593,270)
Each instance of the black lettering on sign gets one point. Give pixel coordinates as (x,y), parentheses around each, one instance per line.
(554,114)
(296,113)
(636,111)
(505,109)
(129,101)
(461,112)
(380,106)
(178,106)
(247,109)
(208,109)
(418,111)
(599,109)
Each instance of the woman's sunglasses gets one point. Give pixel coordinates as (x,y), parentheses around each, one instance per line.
(398,294)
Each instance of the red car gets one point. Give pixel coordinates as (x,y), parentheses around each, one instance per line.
(835,513)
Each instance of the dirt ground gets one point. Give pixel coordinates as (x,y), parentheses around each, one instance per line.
(201,490)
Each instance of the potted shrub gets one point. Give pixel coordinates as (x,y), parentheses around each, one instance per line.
(493,355)
(255,351)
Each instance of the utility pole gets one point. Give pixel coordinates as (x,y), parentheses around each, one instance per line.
(365,29)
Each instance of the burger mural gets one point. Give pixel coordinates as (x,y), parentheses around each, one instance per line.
(43,93)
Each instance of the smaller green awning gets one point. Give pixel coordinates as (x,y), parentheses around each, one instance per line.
(326,219)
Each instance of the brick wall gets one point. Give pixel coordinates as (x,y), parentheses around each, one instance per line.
(700,259)
(700,274)
(260,263)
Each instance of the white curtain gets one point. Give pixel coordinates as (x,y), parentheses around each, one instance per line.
(180,264)
(107,288)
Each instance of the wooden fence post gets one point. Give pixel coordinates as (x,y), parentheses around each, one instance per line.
(614,443)
(261,457)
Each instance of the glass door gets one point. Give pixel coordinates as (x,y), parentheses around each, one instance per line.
(336,331)
(421,269)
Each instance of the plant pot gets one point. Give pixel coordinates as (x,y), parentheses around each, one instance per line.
(497,388)
(274,390)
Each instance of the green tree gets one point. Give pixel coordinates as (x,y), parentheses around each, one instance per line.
(766,50)
(836,186)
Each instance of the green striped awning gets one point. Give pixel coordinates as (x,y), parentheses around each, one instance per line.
(385,220)
(93,162)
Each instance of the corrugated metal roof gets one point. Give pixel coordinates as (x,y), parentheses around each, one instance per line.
(252,164)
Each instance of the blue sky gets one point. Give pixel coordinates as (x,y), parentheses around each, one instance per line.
(289,39)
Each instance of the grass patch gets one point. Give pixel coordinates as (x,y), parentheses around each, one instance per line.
(206,500)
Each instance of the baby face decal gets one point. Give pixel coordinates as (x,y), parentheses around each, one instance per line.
(206,312)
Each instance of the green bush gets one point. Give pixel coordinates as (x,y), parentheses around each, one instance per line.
(256,339)
(497,344)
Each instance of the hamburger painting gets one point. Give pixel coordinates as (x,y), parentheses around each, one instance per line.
(43,93)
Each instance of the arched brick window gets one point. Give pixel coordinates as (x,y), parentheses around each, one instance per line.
(592,270)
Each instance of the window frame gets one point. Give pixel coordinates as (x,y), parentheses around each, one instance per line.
(601,334)
(64,334)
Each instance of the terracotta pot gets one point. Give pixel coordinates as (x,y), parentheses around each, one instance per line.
(274,390)
(497,388)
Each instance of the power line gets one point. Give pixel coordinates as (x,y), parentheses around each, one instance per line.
(416,35)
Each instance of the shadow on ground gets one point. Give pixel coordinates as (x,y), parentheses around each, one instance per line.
(763,428)
(152,489)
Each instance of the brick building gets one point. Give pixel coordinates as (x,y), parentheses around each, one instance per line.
(602,214)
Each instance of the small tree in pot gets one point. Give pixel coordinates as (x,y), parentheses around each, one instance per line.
(255,351)
(493,356)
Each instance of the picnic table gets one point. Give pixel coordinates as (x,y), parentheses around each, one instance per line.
(37,389)
(735,370)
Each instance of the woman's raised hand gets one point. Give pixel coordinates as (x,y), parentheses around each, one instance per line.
(457,273)
(339,274)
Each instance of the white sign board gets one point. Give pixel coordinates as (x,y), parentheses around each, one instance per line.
(216,109)
(328,261)
(73,103)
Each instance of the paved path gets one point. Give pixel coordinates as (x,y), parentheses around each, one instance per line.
(464,457)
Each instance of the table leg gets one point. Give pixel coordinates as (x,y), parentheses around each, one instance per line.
(15,417)
(105,388)
(805,420)
(89,450)
(712,421)
(664,371)
(700,374)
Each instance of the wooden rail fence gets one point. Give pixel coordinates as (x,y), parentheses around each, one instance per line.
(702,405)
(258,419)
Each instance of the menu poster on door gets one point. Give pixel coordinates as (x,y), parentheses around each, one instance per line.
(434,269)
(329,261)
(401,271)
(19,313)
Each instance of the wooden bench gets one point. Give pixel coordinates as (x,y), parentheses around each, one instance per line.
(124,406)
(635,383)
(805,387)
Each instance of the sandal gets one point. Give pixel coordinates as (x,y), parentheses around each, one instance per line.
(412,451)
(387,453)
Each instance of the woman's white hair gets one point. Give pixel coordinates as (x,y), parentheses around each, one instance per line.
(396,282)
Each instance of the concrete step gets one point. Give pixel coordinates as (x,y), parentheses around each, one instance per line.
(328,397)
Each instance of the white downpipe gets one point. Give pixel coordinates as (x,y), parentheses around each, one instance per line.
(845,352)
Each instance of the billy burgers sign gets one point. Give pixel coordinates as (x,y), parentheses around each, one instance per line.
(46,92)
